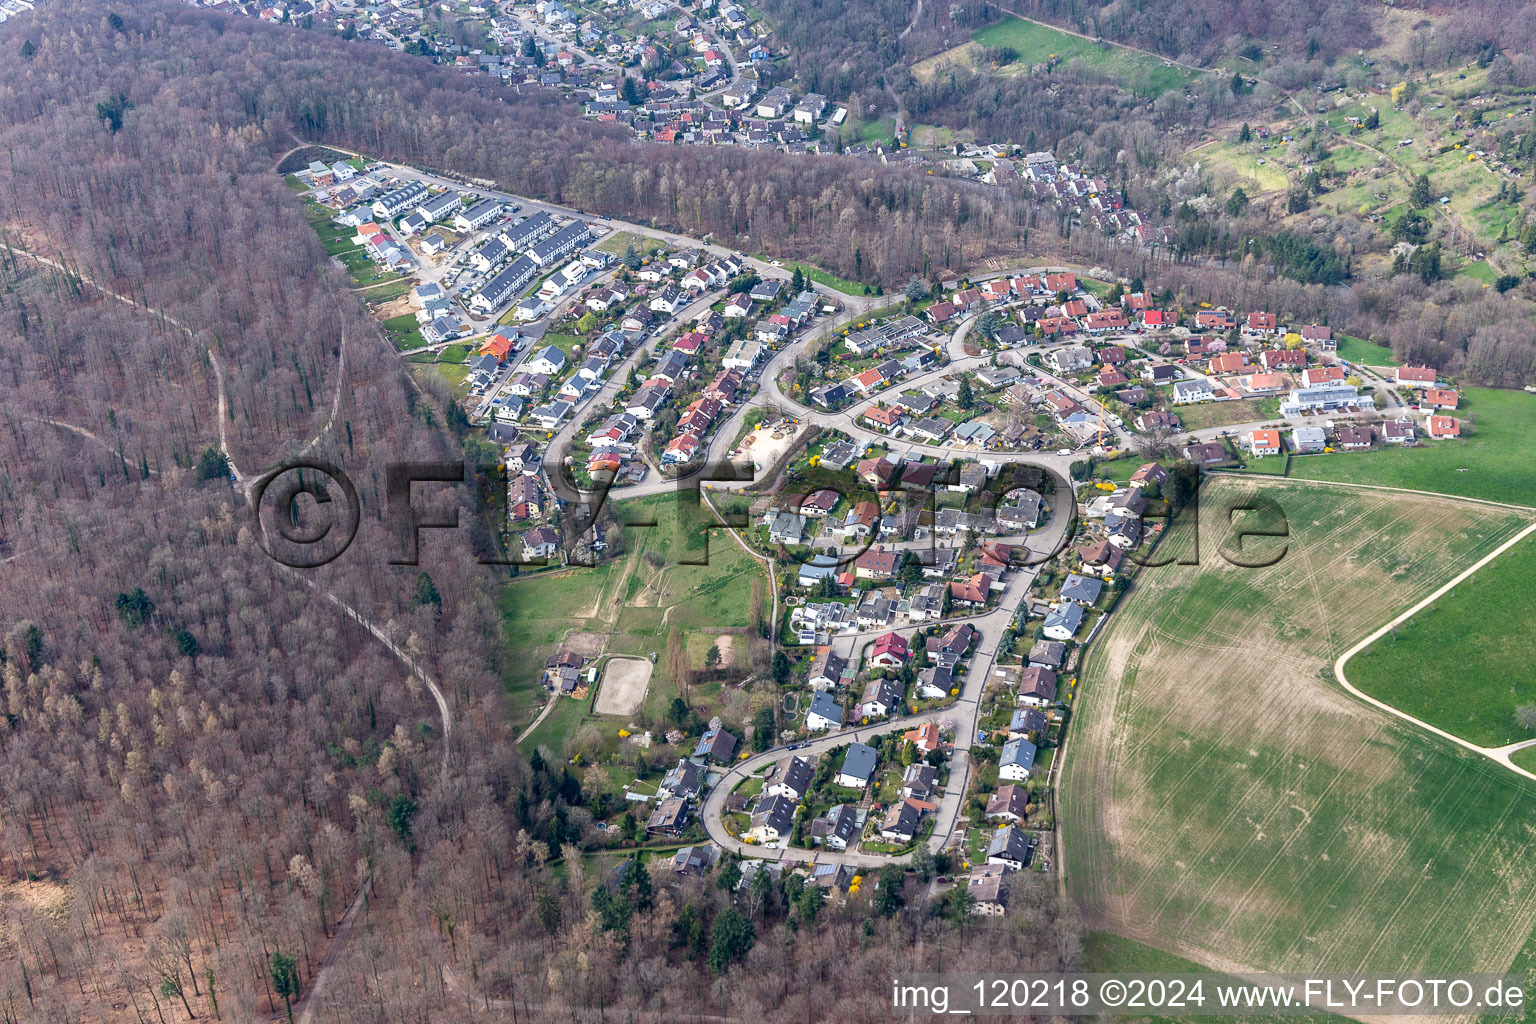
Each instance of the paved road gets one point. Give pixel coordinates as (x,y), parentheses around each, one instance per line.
(962,716)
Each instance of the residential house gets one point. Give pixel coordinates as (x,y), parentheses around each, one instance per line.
(925,738)
(901,822)
(888,417)
(1314,376)
(774,818)
(957,641)
(1441,427)
(838,827)
(1017,760)
(685,780)
(1230,362)
(890,650)
(1306,440)
(1011,847)
(860,519)
(1263,323)
(1276,359)
(1049,654)
(825,713)
(1037,685)
(1206,453)
(1261,383)
(1101,558)
(1063,622)
(540,543)
(875,611)
(694,860)
(549,361)
(858,766)
(1417,376)
(669,818)
(524,500)
(989,890)
(919,781)
(773,103)
(1327,398)
(1398,431)
(717,744)
(477,216)
(1070,359)
(876,564)
(973,591)
(784,526)
(1022,513)
(827,669)
(1265,442)
(1190,392)
(1349,437)
(1084,590)
(881,698)
(794,781)
(1008,802)
(1123,531)
(810,108)
(1027,721)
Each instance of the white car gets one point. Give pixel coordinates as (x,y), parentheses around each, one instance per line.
(1064,451)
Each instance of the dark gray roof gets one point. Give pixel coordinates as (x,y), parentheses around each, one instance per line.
(1020,752)
(860,761)
(822,704)
(1081,588)
(1012,843)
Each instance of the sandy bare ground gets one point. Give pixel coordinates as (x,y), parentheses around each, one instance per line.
(588,645)
(727,645)
(623,686)
(764,445)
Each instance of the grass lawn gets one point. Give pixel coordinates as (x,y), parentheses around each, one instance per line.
(1269,465)
(619,242)
(454,373)
(404,332)
(559,727)
(1525,758)
(1262,173)
(1037,44)
(1479,271)
(672,574)
(1119,470)
(566,343)
(832,281)
(1222,414)
(1492,463)
(388,290)
(1222,798)
(880,131)
(1358,350)
(1464,663)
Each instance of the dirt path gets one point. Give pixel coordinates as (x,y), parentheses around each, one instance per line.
(1499,754)
(1100,40)
(321,978)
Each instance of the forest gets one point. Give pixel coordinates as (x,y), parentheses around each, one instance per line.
(207,761)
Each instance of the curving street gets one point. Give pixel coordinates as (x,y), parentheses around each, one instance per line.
(962,716)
